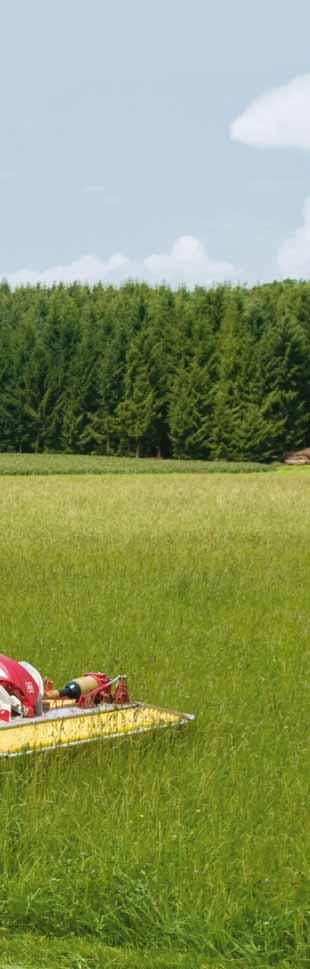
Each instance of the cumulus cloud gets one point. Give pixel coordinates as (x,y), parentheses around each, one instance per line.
(87,269)
(278,118)
(187,262)
(294,253)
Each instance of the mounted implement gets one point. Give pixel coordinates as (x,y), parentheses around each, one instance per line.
(34,716)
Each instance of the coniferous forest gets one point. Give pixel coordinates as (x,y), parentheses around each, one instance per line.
(209,373)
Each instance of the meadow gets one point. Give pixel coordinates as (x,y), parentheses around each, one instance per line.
(187,849)
(45,463)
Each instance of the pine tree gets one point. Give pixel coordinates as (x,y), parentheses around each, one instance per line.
(284,366)
(226,395)
(137,410)
(190,413)
(210,373)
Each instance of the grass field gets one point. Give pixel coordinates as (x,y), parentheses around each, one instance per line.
(184,850)
(31,464)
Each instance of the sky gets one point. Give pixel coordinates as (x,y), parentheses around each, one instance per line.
(165,140)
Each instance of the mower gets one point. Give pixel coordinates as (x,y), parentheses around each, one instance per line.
(35,717)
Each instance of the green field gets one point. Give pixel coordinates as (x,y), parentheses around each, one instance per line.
(31,464)
(186,849)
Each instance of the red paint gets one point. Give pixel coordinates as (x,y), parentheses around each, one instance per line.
(17,680)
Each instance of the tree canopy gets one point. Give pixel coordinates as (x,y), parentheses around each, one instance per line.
(211,373)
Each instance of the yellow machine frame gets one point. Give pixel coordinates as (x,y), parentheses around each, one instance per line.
(68,726)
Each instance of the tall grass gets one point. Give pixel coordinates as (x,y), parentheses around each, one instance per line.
(194,843)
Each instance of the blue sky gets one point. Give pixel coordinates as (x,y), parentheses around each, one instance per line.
(131,146)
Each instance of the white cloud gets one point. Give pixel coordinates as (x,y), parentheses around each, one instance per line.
(279,118)
(86,269)
(294,253)
(187,262)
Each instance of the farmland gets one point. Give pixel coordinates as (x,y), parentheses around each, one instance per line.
(183,850)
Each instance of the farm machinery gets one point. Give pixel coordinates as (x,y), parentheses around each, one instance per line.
(34,716)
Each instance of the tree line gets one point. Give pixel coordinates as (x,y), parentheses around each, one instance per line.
(208,373)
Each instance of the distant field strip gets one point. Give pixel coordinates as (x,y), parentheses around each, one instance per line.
(189,849)
(92,464)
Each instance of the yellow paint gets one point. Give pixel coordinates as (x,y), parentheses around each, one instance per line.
(83,726)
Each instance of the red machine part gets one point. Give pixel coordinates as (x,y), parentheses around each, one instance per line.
(103,692)
(18,681)
(121,694)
